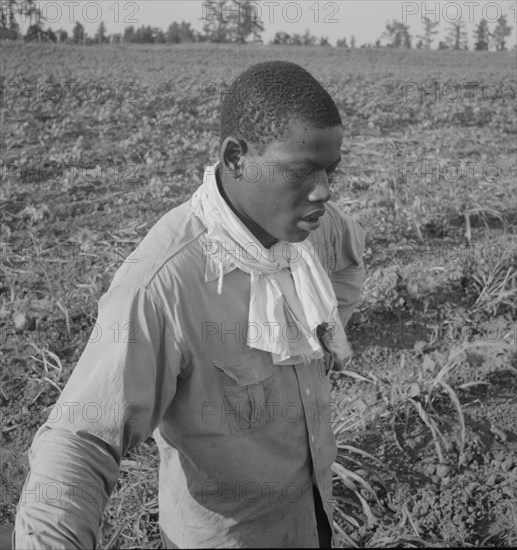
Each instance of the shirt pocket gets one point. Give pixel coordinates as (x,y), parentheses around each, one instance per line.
(247,384)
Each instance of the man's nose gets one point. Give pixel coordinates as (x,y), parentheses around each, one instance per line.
(321,191)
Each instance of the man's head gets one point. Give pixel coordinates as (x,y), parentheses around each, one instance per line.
(280,137)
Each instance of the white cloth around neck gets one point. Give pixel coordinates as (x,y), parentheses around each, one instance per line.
(290,292)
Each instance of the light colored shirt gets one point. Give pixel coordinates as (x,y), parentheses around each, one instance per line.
(242,441)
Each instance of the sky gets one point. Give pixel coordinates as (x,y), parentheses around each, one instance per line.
(364,19)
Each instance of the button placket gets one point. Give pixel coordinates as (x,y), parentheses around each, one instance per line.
(303,375)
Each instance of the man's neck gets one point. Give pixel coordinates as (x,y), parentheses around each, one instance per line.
(265,239)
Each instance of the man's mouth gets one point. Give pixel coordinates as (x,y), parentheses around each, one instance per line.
(311,221)
(313,216)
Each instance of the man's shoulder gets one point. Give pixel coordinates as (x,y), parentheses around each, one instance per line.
(341,220)
(336,223)
(171,245)
(340,239)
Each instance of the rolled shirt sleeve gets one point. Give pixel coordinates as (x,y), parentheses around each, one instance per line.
(114,399)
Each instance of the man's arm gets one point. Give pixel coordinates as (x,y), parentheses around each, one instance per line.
(348,239)
(66,491)
(114,399)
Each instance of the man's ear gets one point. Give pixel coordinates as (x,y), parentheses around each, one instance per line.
(232,151)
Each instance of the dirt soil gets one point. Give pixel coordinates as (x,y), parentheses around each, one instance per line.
(83,182)
(469,498)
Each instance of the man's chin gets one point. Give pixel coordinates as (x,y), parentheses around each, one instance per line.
(297,237)
(295,234)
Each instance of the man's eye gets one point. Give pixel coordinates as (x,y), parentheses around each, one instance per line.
(299,173)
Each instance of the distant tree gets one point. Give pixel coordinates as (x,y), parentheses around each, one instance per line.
(130,34)
(429,33)
(100,35)
(8,34)
(36,34)
(78,34)
(456,38)
(352,42)
(281,38)
(159,36)
(216,25)
(30,8)
(443,45)
(33,33)
(232,21)
(308,39)
(51,35)
(324,41)
(188,34)
(378,43)
(397,35)
(144,35)
(62,35)
(248,23)
(342,43)
(501,31)
(180,32)
(8,11)
(482,35)
(296,40)
(200,37)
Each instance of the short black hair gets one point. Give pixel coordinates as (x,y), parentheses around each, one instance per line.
(258,105)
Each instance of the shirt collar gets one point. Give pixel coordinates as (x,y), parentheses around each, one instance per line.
(212,252)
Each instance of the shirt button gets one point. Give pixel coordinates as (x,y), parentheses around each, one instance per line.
(312,437)
(308,391)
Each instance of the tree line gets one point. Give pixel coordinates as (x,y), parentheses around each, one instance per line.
(218,27)
(398,36)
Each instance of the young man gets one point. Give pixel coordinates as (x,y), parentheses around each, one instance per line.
(221,351)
